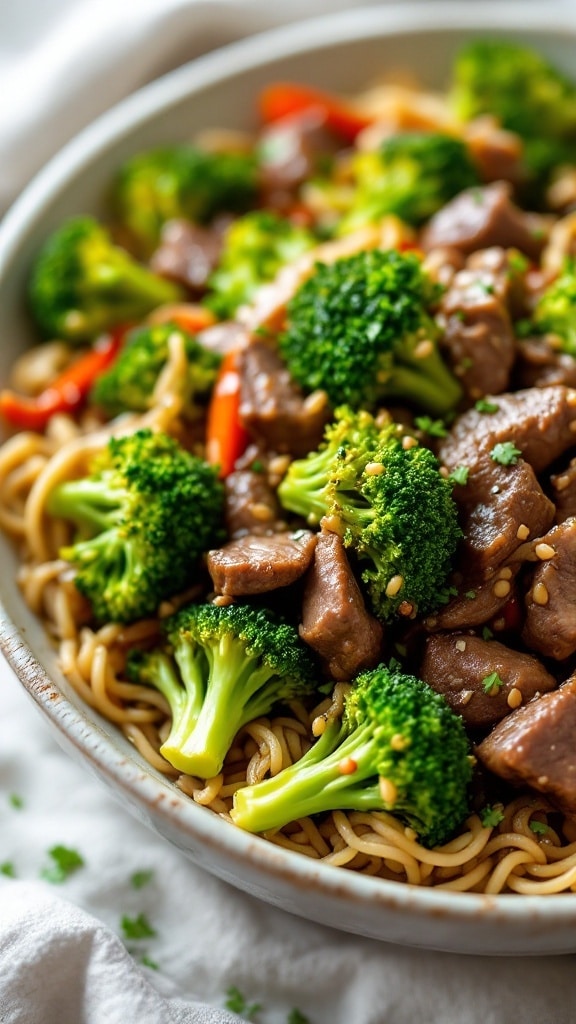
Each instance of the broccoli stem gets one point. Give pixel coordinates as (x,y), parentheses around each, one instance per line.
(426,382)
(89,504)
(130,281)
(232,698)
(317,783)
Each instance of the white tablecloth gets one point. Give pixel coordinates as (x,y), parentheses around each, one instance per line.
(65,956)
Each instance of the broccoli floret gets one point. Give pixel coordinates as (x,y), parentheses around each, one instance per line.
(399,748)
(393,508)
(180,182)
(83,284)
(256,246)
(555,311)
(130,381)
(359,329)
(526,94)
(411,175)
(145,514)
(220,668)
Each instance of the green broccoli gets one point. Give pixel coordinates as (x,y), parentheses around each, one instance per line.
(526,94)
(360,329)
(82,284)
(393,508)
(555,311)
(399,748)
(180,182)
(220,668)
(130,381)
(145,514)
(256,246)
(411,175)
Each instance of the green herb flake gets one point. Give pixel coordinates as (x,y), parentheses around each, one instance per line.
(137,927)
(459,475)
(506,453)
(483,405)
(491,816)
(434,428)
(64,863)
(236,1002)
(492,684)
(297,1017)
(486,287)
(470,594)
(487,633)
(517,262)
(8,869)
(460,315)
(16,801)
(538,828)
(141,878)
(147,961)
(465,364)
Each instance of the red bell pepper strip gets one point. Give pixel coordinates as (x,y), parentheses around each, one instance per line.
(283,99)
(226,438)
(67,391)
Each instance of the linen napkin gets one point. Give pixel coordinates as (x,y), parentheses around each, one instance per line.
(102,921)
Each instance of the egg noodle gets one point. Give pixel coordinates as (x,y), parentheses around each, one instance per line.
(531,851)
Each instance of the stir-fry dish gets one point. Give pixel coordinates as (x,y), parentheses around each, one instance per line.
(291,466)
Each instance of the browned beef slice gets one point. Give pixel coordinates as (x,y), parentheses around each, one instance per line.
(251,504)
(540,421)
(478,334)
(290,149)
(539,365)
(224,337)
(500,508)
(505,271)
(272,407)
(534,746)
(550,625)
(335,622)
(456,665)
(187,253)
(475,604)
(496,153)
(256,564)
(482,217)
(564,492)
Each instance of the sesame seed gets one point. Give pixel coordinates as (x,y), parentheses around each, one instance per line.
(460,645)
(261,511)
(514,698)
(333,524)
(409,442)
(523,532)
(278,466)
(501,588)
(540,594)
(388,791)
(406,608)
(398,741)
(394,585)
(316,401)
(466,696)
(505,573)
(374,469)
(544,552)
(319,725)
(223,600)
(562,482)
(542,780)
(347,766)
(424,349)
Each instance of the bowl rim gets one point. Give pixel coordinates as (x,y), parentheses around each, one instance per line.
(186,819)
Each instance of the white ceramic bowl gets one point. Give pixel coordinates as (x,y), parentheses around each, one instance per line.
(342,52)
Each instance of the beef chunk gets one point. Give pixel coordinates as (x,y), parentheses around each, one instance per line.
(478,334)
(534,746)
(251,504)
(501,507)
(481,217)
(538,365)
(460,667)
(256,564)
(496,153)
(290,150)
(540,421)
(564,492)
(272,407)
(187,254)
(335,622)
(476,602)
(550,625)
(224,337)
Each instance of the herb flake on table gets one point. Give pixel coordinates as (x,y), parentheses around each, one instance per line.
(65,862)
(141,878)
(297,1017)
(137,927)
(237,1003)
(8,869)
(16,801)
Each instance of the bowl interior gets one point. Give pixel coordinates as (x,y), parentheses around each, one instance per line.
(344,52)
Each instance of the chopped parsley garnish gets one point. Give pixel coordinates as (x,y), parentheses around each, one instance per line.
(297,1017)
(460,315)
(538,828)
(487,633)
(506,453)
(146,961)
(483,405)
(16,801)
(491,816)
(64,863)
(434,428)
(257,466)
(236,1002)
(470,594)
(517,262)
(492,684)
(8,869)
(141,878)
(137,927)
(460,475)
(487,287)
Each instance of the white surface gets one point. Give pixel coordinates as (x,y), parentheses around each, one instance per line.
(61,64)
